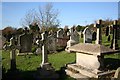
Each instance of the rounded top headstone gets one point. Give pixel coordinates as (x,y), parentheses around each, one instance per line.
(115,22)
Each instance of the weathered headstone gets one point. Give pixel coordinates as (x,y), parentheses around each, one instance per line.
(107,30)
(13,48)
(114,43)
(94,36)
(51,44)
(46,70)
(62,39)
(25,43)
(74,39)
(60,33)
(87,35)
(99,34)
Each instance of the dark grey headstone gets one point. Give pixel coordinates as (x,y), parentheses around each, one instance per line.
(94,36)
(26,43)
(107,31)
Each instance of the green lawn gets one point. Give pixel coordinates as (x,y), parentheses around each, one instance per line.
(27,65)
(32,62)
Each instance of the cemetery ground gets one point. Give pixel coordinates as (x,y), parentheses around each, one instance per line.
(27,65)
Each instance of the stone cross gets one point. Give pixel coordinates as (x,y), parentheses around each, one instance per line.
(12,47)
(44,48)
(99,35)
(114,43)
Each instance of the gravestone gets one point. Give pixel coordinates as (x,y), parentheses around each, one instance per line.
(46,71)
(60,33)
(99,34)
(51,44)
(107,31)
(89,60)
(87,35)
(62,39)
(94,36)
(114,42)
(13,48)
(74,39)
(25,43)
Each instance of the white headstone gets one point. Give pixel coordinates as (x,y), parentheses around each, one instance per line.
(60,33)
(87,35)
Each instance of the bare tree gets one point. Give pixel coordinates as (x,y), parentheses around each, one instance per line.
(48,16)
(30,18)
(45,17)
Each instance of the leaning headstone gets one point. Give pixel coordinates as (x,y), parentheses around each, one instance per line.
(87,35)
(99,35)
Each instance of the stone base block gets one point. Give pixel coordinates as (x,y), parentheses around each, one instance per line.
(46,71)
(76,75)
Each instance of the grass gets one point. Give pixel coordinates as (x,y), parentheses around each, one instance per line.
(27,65)
(32,62)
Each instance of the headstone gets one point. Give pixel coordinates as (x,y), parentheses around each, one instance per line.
(46,70)
(25,43)
(107,31)
(87,34)
(44,49)
(94,36)
(51,44)
(114,42)
(60,33)
(62,39)
(2,41)
(74,39)
(13,48)
(99,34)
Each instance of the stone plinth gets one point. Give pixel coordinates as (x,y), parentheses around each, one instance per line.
(89,59)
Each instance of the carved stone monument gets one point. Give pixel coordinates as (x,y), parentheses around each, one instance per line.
(89,60)
(99,35)
(46,70)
